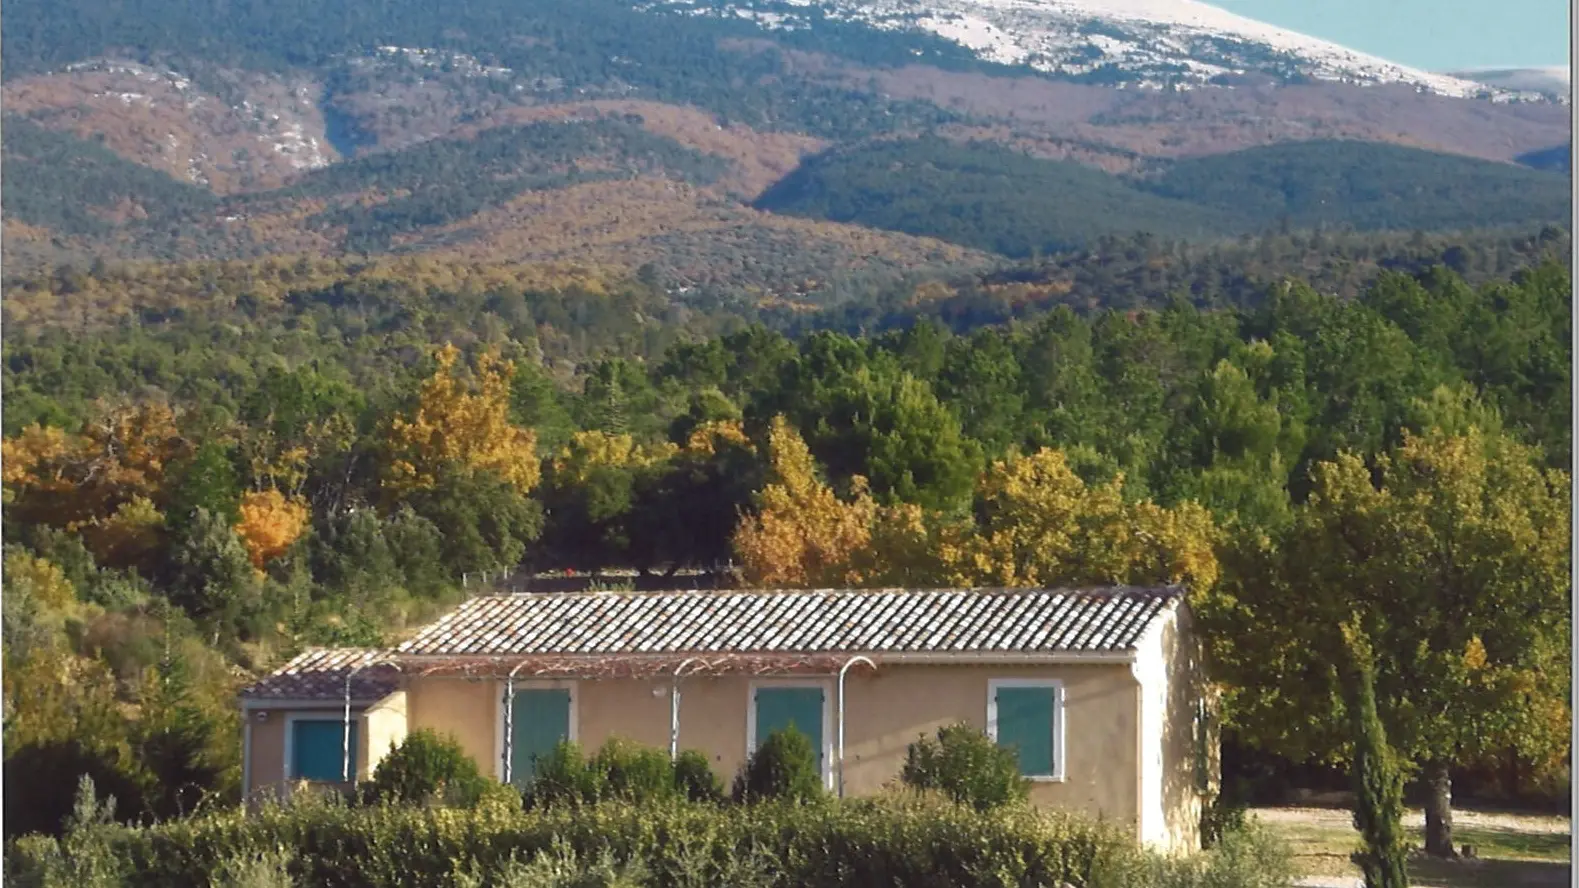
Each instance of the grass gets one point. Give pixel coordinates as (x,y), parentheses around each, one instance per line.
(1511,850)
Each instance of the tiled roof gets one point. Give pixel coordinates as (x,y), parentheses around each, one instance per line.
(961,621)
(320,673)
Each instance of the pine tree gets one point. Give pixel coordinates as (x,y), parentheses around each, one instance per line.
(1378,779)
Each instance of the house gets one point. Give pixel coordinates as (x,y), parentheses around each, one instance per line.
(1100,692)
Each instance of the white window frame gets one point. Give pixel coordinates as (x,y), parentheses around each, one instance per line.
(828,727)
(501,688)
(289,759)
(1060,769)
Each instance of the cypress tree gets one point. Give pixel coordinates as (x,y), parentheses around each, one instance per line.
(1378,779)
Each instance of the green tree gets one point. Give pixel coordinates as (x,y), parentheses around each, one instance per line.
(486,522)
(1226,450)
(537,403)
(176,740)
(1451,552)
(784,767)
(1378,779)
(864,416)
(207,480)
(211,575)
(967,766)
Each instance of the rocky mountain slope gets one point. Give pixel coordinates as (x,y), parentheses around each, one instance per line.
(529,130)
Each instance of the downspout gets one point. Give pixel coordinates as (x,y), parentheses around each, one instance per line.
(345,724)
(842,670)
(674,708)
(345,729)
(509,720)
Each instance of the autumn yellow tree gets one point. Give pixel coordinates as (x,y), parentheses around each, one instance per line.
(68,480)
(802,534)
(270,523)
(1042,525)
(592,450)
(131,536)
(51,694)
(456,423)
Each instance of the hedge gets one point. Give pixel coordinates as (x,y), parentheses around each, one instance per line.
(857,844)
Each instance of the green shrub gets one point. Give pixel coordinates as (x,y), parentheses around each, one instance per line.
(564,776)
(1248,857)
(265,869)
(427,769)
(560,867)
(619,771)
(784,766)
(37,774)
(695,779)
(633,773)
(84,857)
(964,764)
(1224,814)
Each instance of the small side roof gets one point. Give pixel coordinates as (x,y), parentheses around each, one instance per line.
(320,674)
(802,622)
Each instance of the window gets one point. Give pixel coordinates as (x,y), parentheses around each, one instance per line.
(1027,715)
(317,749)
(1203,747)
(775,706)
(540,721)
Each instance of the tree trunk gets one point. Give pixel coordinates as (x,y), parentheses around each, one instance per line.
(1438,810)
(1513,775)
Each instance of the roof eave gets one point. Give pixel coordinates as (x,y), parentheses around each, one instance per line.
(251,703)
(930,657)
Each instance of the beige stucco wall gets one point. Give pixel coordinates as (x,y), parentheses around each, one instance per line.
(382,728)
(886,711)
(1182,741)
(464,709)
(267,751)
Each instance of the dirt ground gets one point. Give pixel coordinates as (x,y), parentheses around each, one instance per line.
(1341,819)
(1513,850)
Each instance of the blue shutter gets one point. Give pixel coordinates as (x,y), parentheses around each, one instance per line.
(318,749)
(539,722)
(779,708)
(1025,724)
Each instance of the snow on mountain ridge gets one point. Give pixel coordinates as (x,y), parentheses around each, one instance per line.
(1147,43)
(1554,80)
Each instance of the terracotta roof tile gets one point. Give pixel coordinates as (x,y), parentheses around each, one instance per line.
(818,621)
(320,673)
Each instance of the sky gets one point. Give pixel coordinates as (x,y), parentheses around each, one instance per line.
(1437,35)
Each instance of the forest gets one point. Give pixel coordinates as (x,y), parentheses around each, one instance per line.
(998,199)
(209,467)
(69,185)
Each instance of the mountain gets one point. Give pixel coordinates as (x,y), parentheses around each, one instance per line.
(1131,42)
(692,136)
(992,198)
(984,196)
(1555,81)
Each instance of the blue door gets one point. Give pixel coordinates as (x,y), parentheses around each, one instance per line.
(781,708)
(318,749)
(540,720)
